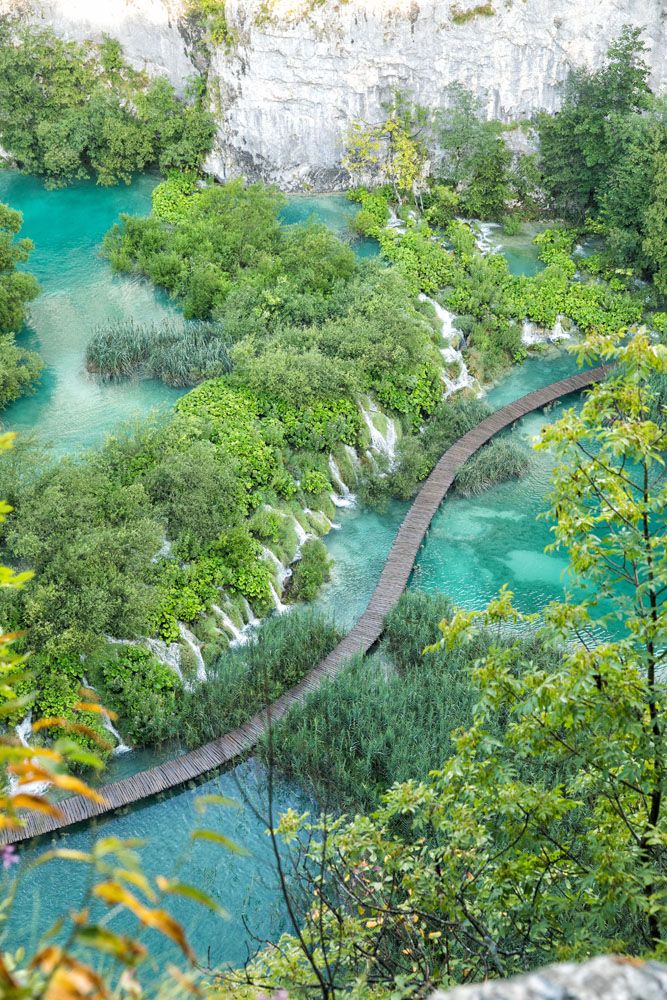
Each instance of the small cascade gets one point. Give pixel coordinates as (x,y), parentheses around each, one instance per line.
(283,572)
(558,333)
(250,616)
(23,733)
(301,534)
(319,515)
(532,334)
(385,445)
(164,551)
(238,636)
(445,318)
(190,640)
(120,747)
(352,455)
(483,235)
(344,498)
(394,222)
(450,354)
(277,603)
(169,654)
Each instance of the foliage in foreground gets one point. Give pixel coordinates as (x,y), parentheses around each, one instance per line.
(69,111)
(489,865)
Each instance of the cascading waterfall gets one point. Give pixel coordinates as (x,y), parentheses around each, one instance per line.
(451,354)
(121,746)
(352,455)
(283,572)
(384,444)
(23,733)
(301,534)
(250,615)
(168,654)
(344,498)
(239,638)
(532,334)
(190,640)
(277,603)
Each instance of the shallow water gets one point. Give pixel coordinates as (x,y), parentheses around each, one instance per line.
(71,409)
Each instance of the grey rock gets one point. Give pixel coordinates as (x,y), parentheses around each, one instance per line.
(287,89)
(604,978)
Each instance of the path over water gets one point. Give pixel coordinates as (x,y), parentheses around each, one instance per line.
(360,639)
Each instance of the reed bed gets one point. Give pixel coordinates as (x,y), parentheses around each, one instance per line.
(177,354)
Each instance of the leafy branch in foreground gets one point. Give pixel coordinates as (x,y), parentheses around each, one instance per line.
(546,840)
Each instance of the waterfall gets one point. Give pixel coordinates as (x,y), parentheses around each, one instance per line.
(23,733)
(445,318)
(164,551)
(191,641)
(386,445)
(120,747)
(322,517)
(283,572)
(251,618)
(558,333)
(344,498)
(170,655)
(301,534)
(532,334)
(529,333)
(277,603)
(450,354)
(394,222)
(352,455)
(238,636)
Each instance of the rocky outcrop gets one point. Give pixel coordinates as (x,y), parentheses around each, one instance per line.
(294,73)
(607,978)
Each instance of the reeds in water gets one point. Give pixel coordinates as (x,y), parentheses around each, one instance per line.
(177,354)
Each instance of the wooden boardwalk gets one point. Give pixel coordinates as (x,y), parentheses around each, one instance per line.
(366,632)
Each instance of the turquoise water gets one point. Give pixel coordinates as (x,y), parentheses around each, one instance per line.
(75,411)
(72,409)
(335,211)
(239,884)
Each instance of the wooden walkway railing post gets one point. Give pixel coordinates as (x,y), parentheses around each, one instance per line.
(393,580)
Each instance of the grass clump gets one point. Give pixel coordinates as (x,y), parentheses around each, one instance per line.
(178,356)
(311,571)
(461,16)
(498,462)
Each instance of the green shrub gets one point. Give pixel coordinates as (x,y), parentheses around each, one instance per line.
(143,691)
(500,461)
(310,572)
(70,111)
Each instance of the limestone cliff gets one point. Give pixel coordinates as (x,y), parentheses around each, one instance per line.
(296,72)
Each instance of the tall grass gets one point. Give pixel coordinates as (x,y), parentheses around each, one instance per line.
(385,718)
(177,355)
(242,681)
(499,461)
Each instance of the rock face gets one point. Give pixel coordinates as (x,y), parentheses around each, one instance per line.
(605,978)
(296,72)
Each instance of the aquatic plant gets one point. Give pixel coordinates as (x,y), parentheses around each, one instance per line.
(177,355)
(500,461)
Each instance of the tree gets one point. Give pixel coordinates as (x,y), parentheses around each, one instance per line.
(464,136)
(581,143)
(16,287)
(548,838)
(394,150)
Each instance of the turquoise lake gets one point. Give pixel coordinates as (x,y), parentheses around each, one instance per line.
(472,548)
